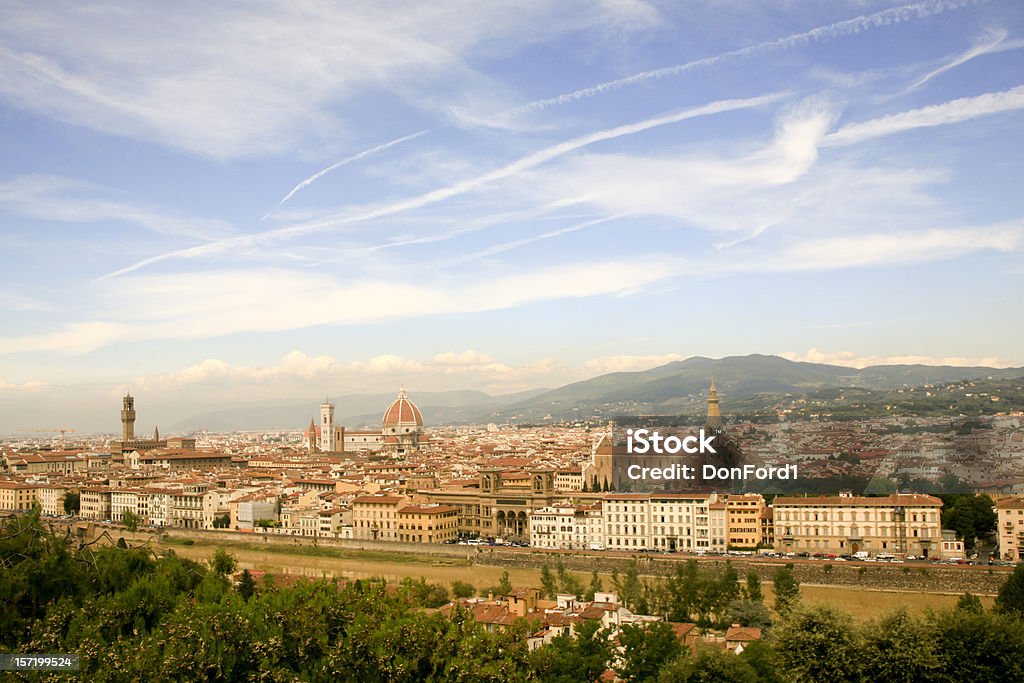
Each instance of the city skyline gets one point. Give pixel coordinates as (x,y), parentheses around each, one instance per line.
(303,199)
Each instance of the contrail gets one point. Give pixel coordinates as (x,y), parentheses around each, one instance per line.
(523,164)
(995,38)
(348,160)
(887,17)
(954,111)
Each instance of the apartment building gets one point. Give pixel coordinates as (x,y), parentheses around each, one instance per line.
(134,501)
(1010,525)
(17,496)
(743,520)
(568,527)
(95,503)
(192,507)
(664,521)
(375,518)
(51,499)
(428,523)
(901,524)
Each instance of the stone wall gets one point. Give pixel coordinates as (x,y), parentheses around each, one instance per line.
(912,577)
(919,578)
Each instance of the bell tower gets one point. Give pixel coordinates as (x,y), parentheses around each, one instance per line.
(128,418)
(327,444)
(714,421)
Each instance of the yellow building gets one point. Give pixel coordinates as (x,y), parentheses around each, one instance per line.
(901,524)
(1010,524)
(427,523)
(375,518)
(17,496)
(743,520)
(95,503)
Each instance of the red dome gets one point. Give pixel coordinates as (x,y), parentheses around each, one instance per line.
(402,413)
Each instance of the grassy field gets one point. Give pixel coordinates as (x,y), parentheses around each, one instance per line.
(326,562)
(305,550)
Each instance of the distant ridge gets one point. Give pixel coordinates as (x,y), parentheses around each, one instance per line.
(683,385)
(674,388)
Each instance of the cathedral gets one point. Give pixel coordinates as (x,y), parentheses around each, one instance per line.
(401,431)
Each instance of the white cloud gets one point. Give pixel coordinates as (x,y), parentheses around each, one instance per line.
(55,198)
(12,301)
(606,364)
(852,26)
(24,386)
(227,80)
(76,337)
(990,42)
(296,371)
(853,360)
(954,111)
(214,303)
(871,249)
(530,161)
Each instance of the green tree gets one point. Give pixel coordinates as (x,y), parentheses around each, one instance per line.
(223,562)
(596,586)
(971,516)
(787,590)
(548,583)
(978,646)
(630,589)
(818,645)
(130,520)
(1010,600)
(504,586)
(752,592)
(708,665)
(246,585)
(462,589)
(646,648)
(950,483)
(72,502)
(573,659)
(222,521)
(568,583)
(970,603)
(898,648)
(748,613)
(761,657)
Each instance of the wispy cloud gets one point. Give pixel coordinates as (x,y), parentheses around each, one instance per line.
(215,303)
(24,386)
(462,187)
(856,25)
(73,338)
(889,248)
(988,43)
(955,111)
(237,80)
(297,369)
(66,200)
(348,160)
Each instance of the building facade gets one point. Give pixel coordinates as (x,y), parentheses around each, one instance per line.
(900,524)
(1010,524)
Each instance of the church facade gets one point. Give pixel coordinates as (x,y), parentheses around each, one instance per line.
(401,431)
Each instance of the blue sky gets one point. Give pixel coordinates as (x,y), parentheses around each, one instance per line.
(262,200)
